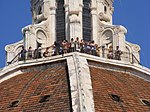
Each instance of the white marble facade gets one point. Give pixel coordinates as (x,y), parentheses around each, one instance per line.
(44,28)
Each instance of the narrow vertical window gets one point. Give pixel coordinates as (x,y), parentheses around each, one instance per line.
(60,21)
(105,9)
(87,30)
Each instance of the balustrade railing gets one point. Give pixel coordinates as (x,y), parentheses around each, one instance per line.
(48,52)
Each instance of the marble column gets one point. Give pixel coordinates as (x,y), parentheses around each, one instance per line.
(94,25)
(52,21)
(81,19)
(94,21)
(67,22)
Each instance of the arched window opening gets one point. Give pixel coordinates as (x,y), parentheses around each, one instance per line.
(87,29)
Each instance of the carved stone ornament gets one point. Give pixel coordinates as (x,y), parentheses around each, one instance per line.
(9,48)
(120,28)
(136,48)
(74,19)
(103,17)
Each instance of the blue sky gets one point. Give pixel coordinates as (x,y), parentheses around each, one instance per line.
(133,14)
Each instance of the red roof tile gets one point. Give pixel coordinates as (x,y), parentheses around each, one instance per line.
(29,88)
(129,88)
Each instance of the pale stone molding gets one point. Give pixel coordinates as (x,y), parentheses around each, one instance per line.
(74,18)
(134,49)
(30,32)
(41,17)
(104,17)
(81,86)
(12,50)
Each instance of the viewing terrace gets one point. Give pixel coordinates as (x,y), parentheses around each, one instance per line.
(66,47)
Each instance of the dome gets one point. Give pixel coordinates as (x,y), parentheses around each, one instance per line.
(74,82)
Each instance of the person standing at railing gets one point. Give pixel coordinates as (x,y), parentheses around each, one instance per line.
(88,47)
(118,53)
(72,48)
(37,52)
(46,52)
(97,50)
(93,48)
(110,52)
(64,44)
(82,44)
(56,48)
(30,53)
(68,46)
(22,54)
(77,44)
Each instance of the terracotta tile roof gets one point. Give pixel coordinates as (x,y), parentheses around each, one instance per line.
(48,90)
(129,88)
(44,91)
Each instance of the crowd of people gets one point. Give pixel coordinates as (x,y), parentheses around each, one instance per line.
(60,48)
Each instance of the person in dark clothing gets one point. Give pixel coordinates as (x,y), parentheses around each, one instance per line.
(110,52)
(57,48)
(72,48)
(37,52)
(77,45)
(29,53)
(118,53)
(82,44)
(23,54)
(93,48)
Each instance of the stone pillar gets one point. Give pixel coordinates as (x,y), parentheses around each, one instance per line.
(28,40)
(74,26)
(115,40)
(111,14)
(94,22)
(80,17)
(75,20)
(67,22)
(29,37)
(119,37)
(52,21)
(119,40)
